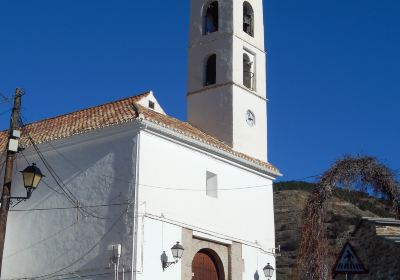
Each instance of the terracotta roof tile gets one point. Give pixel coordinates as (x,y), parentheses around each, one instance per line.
(114,113)
(78,122)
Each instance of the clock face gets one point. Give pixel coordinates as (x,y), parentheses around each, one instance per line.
(250,118)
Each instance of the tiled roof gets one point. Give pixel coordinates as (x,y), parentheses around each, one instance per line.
(114,113)
(78,122)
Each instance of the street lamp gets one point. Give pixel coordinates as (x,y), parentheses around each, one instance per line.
(31,177)
(177,252)
(268,271)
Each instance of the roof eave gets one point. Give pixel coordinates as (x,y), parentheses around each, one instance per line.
(158,128)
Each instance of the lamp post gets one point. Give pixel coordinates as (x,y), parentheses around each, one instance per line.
(268,271)
(177,252)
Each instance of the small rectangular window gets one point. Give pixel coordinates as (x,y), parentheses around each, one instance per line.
(151,105)
(212,184)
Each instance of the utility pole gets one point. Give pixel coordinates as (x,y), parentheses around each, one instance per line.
(6,194)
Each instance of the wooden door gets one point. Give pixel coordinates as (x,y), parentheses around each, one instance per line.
(204,267)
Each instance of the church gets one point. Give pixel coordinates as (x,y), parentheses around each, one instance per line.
(132,193)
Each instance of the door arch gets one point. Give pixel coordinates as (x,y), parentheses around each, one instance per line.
(206,265)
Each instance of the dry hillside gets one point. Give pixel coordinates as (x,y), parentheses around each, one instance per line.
(344,213)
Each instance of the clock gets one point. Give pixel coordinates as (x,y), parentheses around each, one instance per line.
(250,118)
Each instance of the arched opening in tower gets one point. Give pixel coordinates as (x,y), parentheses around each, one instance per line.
(211,18)
(248,19)
(211,70)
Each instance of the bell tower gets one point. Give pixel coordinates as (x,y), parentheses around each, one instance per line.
(227,73)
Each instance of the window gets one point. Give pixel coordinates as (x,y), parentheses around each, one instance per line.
(248,71)
(212,184)
(211,18)
(151,105)
(248,19)
(211,70)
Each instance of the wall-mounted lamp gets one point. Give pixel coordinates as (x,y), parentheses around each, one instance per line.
(268,271)
(177,252)
(31,177)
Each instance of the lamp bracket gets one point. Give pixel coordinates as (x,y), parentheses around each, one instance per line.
(275,251)
(20,199)
(165,265)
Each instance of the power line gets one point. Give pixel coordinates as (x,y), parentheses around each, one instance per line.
(66,159)
(66,192)
(48,276)
(41,241)
(190,188)
(69,208)
(185,188)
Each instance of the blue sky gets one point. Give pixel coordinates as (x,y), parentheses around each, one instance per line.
(333,68)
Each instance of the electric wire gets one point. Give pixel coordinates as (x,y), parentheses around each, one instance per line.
(190,188)
(69,208)
(41,241)
(196,189)
(43,179)
(201,189)
(55,177)
(74,275)
(67,193)
(186,188)
(48,276)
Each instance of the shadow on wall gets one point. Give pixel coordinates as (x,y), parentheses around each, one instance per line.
(69,239)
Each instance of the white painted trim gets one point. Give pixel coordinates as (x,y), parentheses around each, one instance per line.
(136,211)
(208,233)
(206,88)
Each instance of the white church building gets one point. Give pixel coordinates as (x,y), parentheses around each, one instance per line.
(125,182)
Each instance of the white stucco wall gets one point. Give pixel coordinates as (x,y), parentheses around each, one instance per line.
(98,168)
(254,262)
(154,238)
(173,183)
(251,140)
(204,111)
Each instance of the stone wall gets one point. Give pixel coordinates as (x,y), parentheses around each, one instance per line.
(229,255)
(380,255)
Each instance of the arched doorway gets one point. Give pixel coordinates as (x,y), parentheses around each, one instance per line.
(206,265)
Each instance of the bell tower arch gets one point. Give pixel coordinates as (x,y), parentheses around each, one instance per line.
(227,73)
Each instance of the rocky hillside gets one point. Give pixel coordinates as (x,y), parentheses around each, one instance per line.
(344,213)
